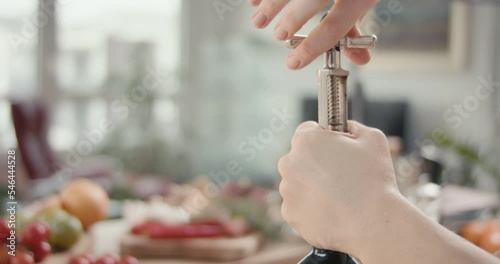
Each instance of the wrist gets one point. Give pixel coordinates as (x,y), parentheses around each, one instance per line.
(381,226)
(406,235)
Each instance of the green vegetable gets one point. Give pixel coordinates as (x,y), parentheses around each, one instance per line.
(66,229)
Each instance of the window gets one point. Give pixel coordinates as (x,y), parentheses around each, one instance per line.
(18,59)
(105,48)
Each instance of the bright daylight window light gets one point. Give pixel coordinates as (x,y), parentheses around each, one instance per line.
(97,41)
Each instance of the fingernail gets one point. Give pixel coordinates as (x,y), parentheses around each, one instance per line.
(259,19)
(292,62)
(280,34)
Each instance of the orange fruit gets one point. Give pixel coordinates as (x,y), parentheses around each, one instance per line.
(488,234)
(86,200)
(490,241)
(474,230)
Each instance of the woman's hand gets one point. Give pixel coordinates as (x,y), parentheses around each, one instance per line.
(341,20)
(336,187)
(339,192)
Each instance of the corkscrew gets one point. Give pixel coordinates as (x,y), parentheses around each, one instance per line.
(332,115)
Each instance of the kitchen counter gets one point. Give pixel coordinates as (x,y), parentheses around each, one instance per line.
(105,237)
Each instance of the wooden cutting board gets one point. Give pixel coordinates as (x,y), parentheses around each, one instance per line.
(215,249)
(106,237)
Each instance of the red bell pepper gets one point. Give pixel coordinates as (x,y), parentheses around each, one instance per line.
(157,230)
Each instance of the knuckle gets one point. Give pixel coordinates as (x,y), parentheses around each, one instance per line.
(303,131)
(254,2)
(291,22)
(378,135)
(271,6)
(307,135)
(299,140)
(285,212)
(306,50)
(332,29)
(323,2)
(283,165)
(282,188)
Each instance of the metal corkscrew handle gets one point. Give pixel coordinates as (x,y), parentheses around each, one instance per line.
(332,115)
(332,97)
(332,89)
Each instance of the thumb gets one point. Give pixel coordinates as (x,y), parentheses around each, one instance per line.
(307,126)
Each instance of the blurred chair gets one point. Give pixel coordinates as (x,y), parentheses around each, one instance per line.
(30,120)
(31,123)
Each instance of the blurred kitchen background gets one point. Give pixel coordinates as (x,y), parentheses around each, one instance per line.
(151,91)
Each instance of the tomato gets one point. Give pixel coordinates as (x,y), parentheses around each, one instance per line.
(128,260)
(79,260)
(35,233)
(41,230)
(4,254)
(88,257)
(106,260)
(41,250)
(22,258)
(82,259)
(4,231)
(112,256)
